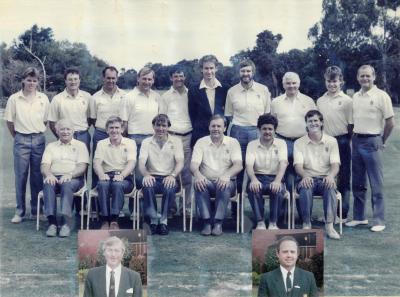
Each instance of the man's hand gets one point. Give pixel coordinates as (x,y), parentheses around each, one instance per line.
(275,186)
(255,186)
(149,180)
(200,183)
(65,178)
(306,182)
(104,176)
(169,181)
(329,182)
(223,182)
(118,177)
(51,180)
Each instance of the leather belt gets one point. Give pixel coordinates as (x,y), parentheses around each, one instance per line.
(179,134)
(365,135)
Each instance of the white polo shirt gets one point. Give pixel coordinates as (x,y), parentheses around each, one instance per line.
(316,158)
(370,109)
(161,161)
(337,112)
(103,106)
(215,160)
(28,116)
(63,158)
(290,114)
(115,158)
(246,105)
(265,160)
(75,109)
(139,110)
(175,106)
(210,92)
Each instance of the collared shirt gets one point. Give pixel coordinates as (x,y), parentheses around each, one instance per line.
(210,91)
(75,109)
(290,114)
(28,116)
(102,106)
(284,275)
(370,109)
(117,278)
(215,160)
(337,112)
(316,157)
(139,110)
(175,106)
(161,161)
(246,105)
(115,157)
(265,160)
(63,158)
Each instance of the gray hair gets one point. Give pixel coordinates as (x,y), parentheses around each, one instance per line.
(113,240)
(64,123)
(290,75)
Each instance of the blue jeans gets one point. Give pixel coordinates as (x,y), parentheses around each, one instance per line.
(244,134)
(344,172)
(306,200)
(150,201)
(66,191)
(83,136)
(114,190)
(221,200)
(257,201)
(28,151)
(97,136)
(367,161)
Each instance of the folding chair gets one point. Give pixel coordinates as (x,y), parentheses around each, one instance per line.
(80,193)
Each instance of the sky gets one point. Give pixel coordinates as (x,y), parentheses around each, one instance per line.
(131,33)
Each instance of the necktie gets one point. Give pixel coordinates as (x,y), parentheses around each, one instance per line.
(288,282)
(111,291)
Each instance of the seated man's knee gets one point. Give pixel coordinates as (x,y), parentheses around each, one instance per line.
(103,183)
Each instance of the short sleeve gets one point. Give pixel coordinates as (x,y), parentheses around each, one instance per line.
(197,155)
(144,151)
(83,155)
(282,151)
(250,155)
(46,158)
(9,112)
(236,153)
(53,110)
(387,108)
(131,150)
(228,104)
(298,157)
(334,157)
(179,149)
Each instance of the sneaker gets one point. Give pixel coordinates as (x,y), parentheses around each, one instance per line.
(206,230)
(378,228)
(306,226)
(217,230)
(51,231)
(331,232)
(153,229)
(354,223)
(65,231)
(163,229)
(273,226)
(114,225)
(105,226)
(16,219)
(261,226)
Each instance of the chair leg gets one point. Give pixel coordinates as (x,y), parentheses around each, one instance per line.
(38,211)
(138,211)
(237,212)
(341,215)
(242,213)
(133,211)
(89,209)
(82,210)
(289,206)
(191,212)
(184,209)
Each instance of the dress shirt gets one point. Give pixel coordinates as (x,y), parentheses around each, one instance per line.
(117,278)
(284,275)
(210,91)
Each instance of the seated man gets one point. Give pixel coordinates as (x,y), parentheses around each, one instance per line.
(266,162)
(114,161)
(317,161)
(160,161)
(113,279)
(63,165)
(216,160)
(287,280)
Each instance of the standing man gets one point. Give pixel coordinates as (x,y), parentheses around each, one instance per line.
(160,162)
(287,280)
(371,108)
(72,104)
(337,110)
(104,104)
(317,161)
(114,161)
(113,279)
(26,115)
(266,162)
(64,163)
(216,161)
(174,103)
(206,99)
(245,102)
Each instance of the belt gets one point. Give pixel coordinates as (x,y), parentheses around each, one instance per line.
(80,132)
(29,134)
(287,138)
(347,135)
(365,135)
(179,134)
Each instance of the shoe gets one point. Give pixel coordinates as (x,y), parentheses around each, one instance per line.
(121,214)
(16,219)
(51,231)
(273,226)
(337,220)
(261,226)
(114,225)
(206,230)
(306,226)
(217,230)
(105,226)
(331,232)
(354,223)
(378,228)
(153,229)
(163,229)
(65,231)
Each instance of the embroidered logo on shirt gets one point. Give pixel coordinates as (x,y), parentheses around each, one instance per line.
(340,102)
(125,150)
(371,102)
(83,102)
(326,149)
(73,149)
(227,151)
(276,151)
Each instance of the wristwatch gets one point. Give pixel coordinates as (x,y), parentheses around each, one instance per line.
(173,175)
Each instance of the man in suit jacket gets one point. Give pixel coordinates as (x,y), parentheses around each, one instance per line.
(113,279)
(206,99)
(287,280)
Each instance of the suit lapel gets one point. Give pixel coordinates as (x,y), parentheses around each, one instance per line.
(219,101)
(297,283)
(205,103)
(280,287)
(102,281)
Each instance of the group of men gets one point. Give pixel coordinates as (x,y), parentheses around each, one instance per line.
(183,132)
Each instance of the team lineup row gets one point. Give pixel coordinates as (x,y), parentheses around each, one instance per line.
(274,139)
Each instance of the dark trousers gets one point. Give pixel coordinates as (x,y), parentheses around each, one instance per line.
(344,172)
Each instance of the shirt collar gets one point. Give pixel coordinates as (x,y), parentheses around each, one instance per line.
(259,144)
(22,96)
(117,91)
(154,141)
(285,272)
(123,141)
(369,92)
(224,141)
(340,94)
(117,270)
(204,86)
(137,91)
(323,138)
(61,143)
(172,89)
(79,94)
